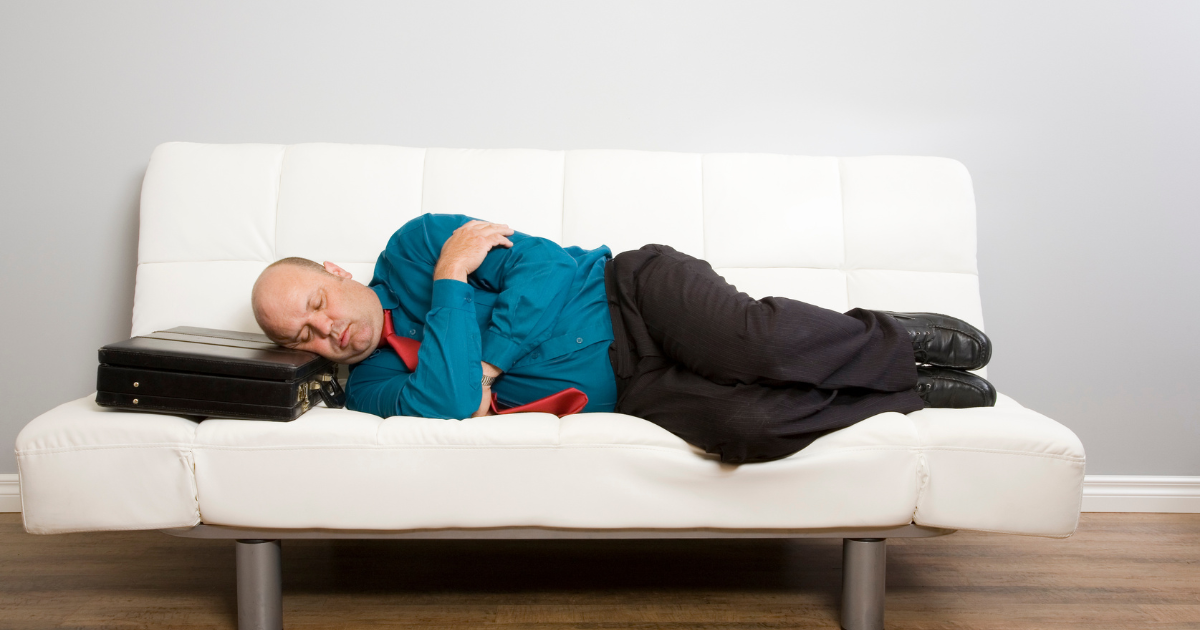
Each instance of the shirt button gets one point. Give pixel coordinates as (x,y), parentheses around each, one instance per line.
(412,331)
(579,340)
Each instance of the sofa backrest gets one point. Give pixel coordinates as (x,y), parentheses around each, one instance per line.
(894,233)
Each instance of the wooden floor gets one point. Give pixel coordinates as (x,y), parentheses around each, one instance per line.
(1118,571)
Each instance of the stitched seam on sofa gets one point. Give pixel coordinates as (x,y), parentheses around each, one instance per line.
(953,273)
(99,447)
(957,273)
(562,203)
(370,262)
(703,209)
(278,191)
(444,447)
(998,531)
(189,461)
(167,525)
(668,449)
(965,449)
(21,490)
(922,462)
(234,260)
(842,206)
(1083,475)
(424,173)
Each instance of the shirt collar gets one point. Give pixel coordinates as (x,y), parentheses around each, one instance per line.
(387,299)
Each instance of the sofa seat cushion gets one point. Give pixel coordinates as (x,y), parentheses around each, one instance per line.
(1002,469)
(87,468)
(344,470)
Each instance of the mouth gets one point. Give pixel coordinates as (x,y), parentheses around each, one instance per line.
(345,336)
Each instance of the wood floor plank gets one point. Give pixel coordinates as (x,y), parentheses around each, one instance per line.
(1118,571)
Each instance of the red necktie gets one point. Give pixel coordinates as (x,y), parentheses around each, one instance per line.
(563,403)
(405,347)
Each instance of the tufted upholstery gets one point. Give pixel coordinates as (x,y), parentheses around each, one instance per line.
(875,232)
(894,233)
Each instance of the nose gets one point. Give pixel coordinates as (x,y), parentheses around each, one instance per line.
(323,324)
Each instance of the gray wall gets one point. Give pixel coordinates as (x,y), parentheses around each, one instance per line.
(1080,122)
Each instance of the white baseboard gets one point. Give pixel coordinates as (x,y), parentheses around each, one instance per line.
(10,493)
(1101,493)
(1136,493)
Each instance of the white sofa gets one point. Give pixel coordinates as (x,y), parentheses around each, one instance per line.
(894,233)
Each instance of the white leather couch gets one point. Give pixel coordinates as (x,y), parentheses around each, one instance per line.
(894,233)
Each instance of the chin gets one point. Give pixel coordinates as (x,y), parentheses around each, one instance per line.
(353,353)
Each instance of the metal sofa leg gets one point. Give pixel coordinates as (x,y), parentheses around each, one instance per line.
(259,585)
(864,565)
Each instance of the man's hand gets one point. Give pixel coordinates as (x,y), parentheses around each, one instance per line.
(465,250)
(485,405)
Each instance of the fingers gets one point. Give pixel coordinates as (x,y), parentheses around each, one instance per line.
(485,405)
(476,224)
(501,232)
(466,249)
(492,234)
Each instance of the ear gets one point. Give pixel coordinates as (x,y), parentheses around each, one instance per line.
(337,271)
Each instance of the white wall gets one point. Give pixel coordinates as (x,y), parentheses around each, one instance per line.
(1080,122)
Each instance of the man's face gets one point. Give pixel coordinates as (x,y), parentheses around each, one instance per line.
(325,313)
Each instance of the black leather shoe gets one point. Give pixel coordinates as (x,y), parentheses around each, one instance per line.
(954,389)
(945,341)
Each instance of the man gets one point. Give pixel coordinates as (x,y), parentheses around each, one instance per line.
(503,318)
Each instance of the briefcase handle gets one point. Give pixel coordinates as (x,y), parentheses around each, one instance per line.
(330,390)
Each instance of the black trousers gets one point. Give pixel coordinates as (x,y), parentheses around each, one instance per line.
(748,380)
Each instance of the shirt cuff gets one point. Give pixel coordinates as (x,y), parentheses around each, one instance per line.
(449,293)
(499,350)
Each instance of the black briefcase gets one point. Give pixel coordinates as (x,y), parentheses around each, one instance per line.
(206,372)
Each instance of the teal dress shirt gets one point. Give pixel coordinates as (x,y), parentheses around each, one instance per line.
(535,310)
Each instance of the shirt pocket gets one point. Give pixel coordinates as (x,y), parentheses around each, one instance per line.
(407,328)
(562,345)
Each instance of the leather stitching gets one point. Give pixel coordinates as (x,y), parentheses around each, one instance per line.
(278,194)
(45,530)
(851,449)
(99,447)
(995,451)
(998,531)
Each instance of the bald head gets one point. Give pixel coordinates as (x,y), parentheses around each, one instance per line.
(301,304)
(296,261)
(268,285)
